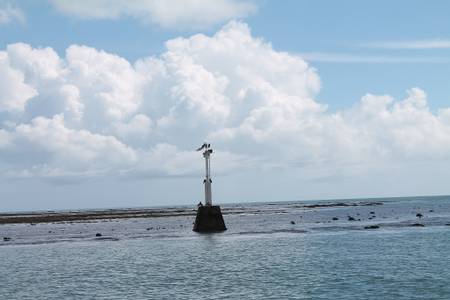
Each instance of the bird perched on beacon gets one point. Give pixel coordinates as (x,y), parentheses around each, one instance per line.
(204,146)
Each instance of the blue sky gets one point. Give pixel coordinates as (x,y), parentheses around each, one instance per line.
(354,48)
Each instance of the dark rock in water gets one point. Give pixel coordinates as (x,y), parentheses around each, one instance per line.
(292,222)
(209,219)
(419,215)
(150,228)
(6,239)
(448,224)
(371,227)
(417,225)
(359,220)
(372,212)
(49,231)
(335,219)
(431,210)
(351,218)
(98,234)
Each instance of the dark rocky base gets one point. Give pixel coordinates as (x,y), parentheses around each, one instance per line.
(209,219)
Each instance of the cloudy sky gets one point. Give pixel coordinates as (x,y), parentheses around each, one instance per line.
(102,103)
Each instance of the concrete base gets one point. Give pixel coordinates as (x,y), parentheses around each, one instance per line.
(209,219)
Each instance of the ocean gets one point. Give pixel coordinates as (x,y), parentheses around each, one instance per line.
(390,248)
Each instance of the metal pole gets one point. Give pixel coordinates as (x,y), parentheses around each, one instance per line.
(207,181)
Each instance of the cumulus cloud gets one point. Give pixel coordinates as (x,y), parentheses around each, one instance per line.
(10,13)
(91,113)
(166,13)
(60,150)
(14,92)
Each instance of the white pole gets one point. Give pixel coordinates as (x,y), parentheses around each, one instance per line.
(207,181)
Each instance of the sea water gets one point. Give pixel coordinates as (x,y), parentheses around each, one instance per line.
(270,251)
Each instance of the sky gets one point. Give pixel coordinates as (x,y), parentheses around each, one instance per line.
(103,103)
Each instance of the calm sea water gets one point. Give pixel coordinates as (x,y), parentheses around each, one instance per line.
(261,256)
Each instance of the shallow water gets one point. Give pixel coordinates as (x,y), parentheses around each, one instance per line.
(261,256)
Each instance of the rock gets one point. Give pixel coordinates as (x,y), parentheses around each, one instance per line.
(419,215)
(98,234)
(6,239)
(448,224)
(417,225)
(150,228)
(292,222)
(371,227)
(431,210)
(351,218)
(372,212)
(335,219)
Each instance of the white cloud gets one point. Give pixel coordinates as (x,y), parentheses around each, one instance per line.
(14,91)
(92,112)
(50,146)
(177,14)
(410,44)
(138,128)
(330,57)
(110,82)
(10,13)
(402,130)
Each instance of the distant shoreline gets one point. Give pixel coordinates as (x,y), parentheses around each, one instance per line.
(108,214)
(51,217)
